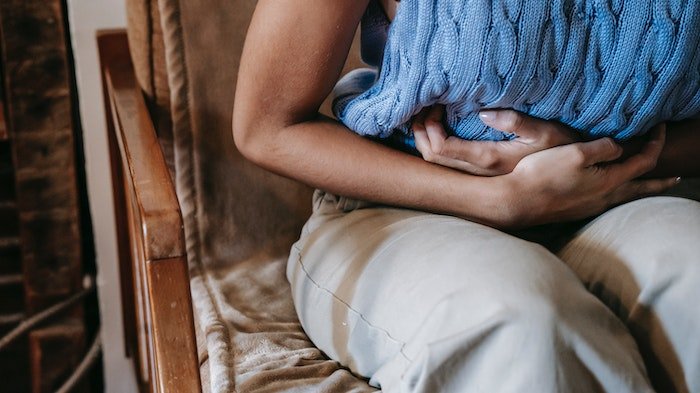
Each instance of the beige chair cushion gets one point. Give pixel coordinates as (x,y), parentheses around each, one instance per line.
(240,221)
(148,54)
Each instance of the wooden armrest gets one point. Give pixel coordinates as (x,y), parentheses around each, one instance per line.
(142,154)
(153,257)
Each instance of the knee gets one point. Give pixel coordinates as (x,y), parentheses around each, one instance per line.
(540,294)
(522,319)
(650,245)
(647,235)
(663,232)
(660,223)
(531,312)
(537,296)
(522,308)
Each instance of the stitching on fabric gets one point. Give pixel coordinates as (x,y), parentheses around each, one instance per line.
(170,15)
(362,317)
(403,344)
(151,60)
(204,358)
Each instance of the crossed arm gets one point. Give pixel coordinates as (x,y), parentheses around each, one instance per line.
(293,55)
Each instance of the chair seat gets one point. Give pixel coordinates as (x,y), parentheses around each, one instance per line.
(263,337)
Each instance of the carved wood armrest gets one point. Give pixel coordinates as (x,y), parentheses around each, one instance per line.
(159,325)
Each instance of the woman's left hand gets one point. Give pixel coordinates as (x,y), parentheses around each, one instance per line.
(486,158)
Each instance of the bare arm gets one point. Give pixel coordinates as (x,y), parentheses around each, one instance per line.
(289,66)
(293,55)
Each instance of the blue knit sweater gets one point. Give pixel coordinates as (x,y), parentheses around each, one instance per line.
(603,67)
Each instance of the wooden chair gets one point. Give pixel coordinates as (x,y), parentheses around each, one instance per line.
(203,234)
(155,288)
(194,217)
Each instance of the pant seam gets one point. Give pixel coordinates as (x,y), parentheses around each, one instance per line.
(362,317)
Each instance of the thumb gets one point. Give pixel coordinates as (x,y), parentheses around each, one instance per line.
(510,121)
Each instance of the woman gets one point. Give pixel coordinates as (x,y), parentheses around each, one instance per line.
(433,295)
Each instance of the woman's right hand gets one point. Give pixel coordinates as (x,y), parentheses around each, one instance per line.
(580,180)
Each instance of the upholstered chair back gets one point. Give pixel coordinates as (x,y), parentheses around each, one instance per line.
(186,56)
(240,220)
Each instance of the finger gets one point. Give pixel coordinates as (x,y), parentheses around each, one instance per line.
(420,135)
(447,149)
(423,146)
(528,129)
(486,155)
(597,151)
(636,189)
(435,128)
(464,166)
(435,114)
(644,161)
(420,117)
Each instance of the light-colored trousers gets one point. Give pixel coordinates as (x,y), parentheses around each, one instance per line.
(420,302)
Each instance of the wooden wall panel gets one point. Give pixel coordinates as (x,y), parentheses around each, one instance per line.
(3,127)
(54,356)
(40,140)
(40,125)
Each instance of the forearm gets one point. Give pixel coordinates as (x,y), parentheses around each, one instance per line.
(292,57)
(323,154)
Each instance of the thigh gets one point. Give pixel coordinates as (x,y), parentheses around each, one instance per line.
(642,260)
(367,282)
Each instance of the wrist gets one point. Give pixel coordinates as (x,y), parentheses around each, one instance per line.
(510,199)
(496,203)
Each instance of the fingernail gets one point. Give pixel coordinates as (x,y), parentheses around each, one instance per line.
(678,179)
(488,115)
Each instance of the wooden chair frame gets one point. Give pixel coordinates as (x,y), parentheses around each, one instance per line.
(157,305)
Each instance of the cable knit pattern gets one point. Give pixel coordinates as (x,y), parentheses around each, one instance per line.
(604,67)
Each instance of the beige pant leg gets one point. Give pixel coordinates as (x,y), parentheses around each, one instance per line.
(642,259)
(426,303)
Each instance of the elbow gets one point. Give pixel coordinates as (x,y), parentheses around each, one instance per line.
(249,138)
(242,139)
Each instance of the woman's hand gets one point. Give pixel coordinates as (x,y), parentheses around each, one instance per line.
(484,158)
(580,180)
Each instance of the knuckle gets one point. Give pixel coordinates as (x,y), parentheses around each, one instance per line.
(429,156)
(441,150)
(659,186)
(489,160)
(651,163)
(638,189)
(653,188)
(512,120)
(578,156)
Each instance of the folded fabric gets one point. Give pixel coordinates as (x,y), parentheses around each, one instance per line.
(603,67)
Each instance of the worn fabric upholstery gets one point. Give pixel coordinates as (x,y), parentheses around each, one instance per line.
(240,221)
(148,53)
